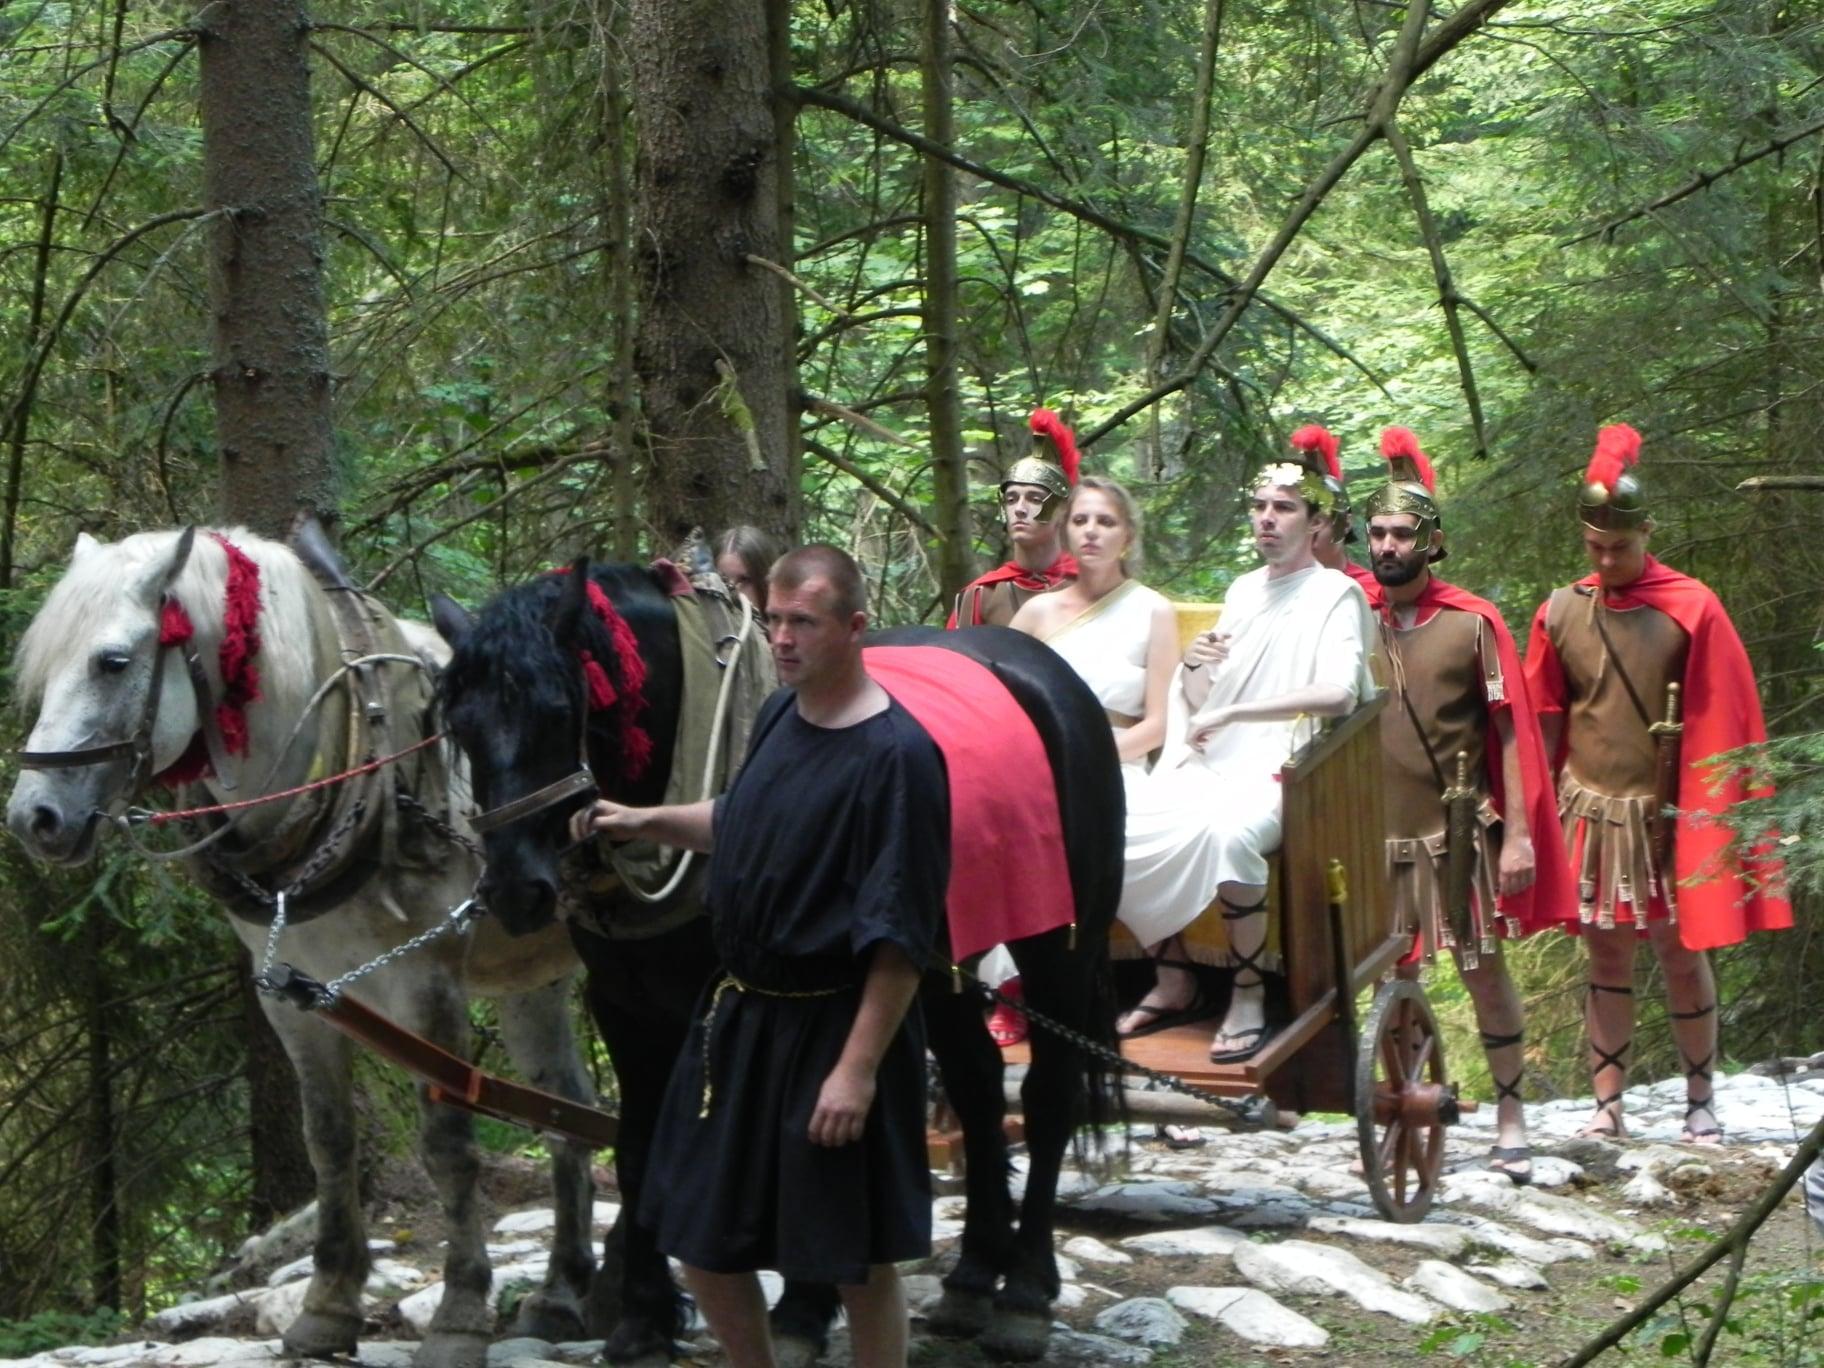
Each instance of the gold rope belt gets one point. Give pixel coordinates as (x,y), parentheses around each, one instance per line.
(715,1002)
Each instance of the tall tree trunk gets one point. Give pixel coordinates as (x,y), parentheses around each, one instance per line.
(21,416)
(98,1137)
(785,146)
(271,380)
(949,466)
(271,345)
(713,339)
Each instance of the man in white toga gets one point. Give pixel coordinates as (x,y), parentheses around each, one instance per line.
(1292,647)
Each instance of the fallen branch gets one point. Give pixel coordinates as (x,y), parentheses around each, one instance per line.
(1733,1244)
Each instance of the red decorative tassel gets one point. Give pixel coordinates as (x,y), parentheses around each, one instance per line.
(636,745)
(1317,440)
(1046,423)
(174,625)
(1397,442)
(1617,448)
(240,644)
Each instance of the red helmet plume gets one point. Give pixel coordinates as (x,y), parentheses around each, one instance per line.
(1046,423)
(1617,448)
(1316,440)
(1402,444)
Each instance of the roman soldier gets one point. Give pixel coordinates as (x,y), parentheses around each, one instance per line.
(1317,451)
(1473,852)
(1641,682)
(1031,494)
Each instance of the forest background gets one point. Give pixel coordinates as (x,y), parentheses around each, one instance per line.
(489,283)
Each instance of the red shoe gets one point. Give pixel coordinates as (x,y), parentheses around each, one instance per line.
(1007,1023)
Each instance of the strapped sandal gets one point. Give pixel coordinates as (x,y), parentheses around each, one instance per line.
(1699,1072)
(1158,1018)
(1609,1059)
(1255,1036)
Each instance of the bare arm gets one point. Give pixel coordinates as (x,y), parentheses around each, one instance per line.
(1309,700)
(1148,734)
(847,1094)
(1518,866)
(1551,727)
(1206,649)
(687,826)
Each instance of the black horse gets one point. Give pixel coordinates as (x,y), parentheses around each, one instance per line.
(514,697)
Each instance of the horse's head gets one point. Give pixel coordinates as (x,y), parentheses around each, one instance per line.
(516,697)
(114,706)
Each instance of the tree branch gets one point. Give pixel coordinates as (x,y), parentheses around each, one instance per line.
(1702,181)
(1088,213)
(1758,484)
(368,88)
(1440,270)
(873,486)
(1733,1242)
(801,286)
(829,408)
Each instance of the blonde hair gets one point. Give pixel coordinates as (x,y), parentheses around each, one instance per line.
(1135,556)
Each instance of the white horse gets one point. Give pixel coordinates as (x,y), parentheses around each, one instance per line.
(125,665)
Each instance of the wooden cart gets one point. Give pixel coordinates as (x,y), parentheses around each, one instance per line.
(1333,918)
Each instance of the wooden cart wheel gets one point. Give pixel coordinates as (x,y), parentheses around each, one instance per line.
(1402,1102)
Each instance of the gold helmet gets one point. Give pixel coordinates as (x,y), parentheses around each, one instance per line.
(1315,472)
(1612,498)
(1052,462)
(1411,486)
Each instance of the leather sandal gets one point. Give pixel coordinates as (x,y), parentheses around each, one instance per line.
(1255,1036)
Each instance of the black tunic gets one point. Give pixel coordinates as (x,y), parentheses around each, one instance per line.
(830,841)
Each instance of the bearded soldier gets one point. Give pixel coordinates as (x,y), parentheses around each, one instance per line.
(1034,490)
(1317,450)
(1641,681)
(1473,850)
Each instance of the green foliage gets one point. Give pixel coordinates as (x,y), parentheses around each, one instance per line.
(54,1329)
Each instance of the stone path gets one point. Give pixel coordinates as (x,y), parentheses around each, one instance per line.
(1265,1239)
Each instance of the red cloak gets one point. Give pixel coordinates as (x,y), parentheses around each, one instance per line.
(1037,582)
(1723,894)
(1552,897)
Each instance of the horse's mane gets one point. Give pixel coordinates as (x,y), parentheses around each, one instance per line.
(510,653)
(81,604)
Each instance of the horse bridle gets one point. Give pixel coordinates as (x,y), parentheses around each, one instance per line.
(138,745)
(579,780)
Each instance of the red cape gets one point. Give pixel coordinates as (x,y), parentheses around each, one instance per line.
(1061,569)
(1723,894)
(1377,596)
(1552,899)
(1009,877)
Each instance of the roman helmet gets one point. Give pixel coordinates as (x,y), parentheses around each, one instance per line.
(1411,486)
(1612,498)
(1315,472)
(1052,463)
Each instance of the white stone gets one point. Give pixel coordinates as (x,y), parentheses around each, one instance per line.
(291,1272)
(1200,1243)
(417,1309)
(512,1353)
(198,1315)
(388,1277)
(1251,1314)
(1332,1182)
(1070,1296)
(1650,1158)
(1511,1273)
(387,1353)
(1455,1288)
(605,1213)
(534,1222)
(1689,1175)
(1298,1266)
(280,1307)
(140,1351)
(513,1249)
(1074,1346)
(1067,1267)
(1547,1211)
(923,1291)
(1444,1240)
(1644,1190)
(1551,1171)
(1493,1235)
(1091,1250)
(1174,1201)
(1143,1320)
(203,1353)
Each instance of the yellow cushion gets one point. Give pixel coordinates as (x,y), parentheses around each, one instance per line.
(1194,618)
